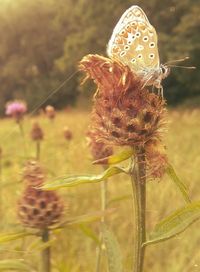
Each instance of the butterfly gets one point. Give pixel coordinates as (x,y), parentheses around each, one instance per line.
(134,43)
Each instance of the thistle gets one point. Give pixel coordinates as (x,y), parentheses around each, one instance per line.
(67,133)
(16,109)
(125,113)
(50,112)
(37,208)
(37,135)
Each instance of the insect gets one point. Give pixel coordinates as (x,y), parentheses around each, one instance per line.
(134,43)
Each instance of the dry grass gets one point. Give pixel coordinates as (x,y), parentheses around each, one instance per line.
(73,251)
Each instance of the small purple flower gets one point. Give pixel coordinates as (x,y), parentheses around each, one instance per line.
(16,109)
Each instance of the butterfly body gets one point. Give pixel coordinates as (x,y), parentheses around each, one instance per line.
(134,43)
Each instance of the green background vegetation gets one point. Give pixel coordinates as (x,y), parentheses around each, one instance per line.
(42,42)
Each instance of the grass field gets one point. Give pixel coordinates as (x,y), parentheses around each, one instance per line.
(74,251)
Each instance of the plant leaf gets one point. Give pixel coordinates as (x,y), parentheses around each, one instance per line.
(86,218)
(19,265)
(113,251)
(119,198)
(83,179)
(175,223)
(89,233)
(7,237)
(181,186)
(116,158)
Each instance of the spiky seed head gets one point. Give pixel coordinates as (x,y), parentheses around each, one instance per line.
(37,133)
(125,112)
(67,133)
(33,173)
(98,149)
(50,112)
(39,209)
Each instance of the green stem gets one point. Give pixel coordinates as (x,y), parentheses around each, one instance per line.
(103,208)
(46,256)
(23,137)
(138,179)
(38,150)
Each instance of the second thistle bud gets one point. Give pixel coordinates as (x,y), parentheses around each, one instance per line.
(38,208)
(37,132)
(67,133)
(50,112)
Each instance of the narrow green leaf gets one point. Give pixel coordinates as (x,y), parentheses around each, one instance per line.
(116,158)
(7,237)
(86,218)
(119,198)
(79,179)
(113,251)
(89,233)
(175,223)
(181,186)
(18,264)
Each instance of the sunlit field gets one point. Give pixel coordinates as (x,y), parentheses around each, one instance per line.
(72,249)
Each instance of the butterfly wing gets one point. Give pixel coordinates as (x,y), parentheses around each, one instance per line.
(134,41)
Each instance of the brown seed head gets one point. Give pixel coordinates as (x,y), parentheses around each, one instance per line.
(98,149)
(50,112)
(124,112)
(39,209)
(67,133)
(37,132)
(33,173)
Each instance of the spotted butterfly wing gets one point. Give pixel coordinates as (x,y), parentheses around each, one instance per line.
(134,42)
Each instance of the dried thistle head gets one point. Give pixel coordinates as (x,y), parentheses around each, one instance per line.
(33,173)
(37,132)
(50,112)
(98,149)
(38,208)
(125,112)
(67,133)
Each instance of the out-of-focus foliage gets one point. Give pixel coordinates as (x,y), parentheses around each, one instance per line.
(42,42)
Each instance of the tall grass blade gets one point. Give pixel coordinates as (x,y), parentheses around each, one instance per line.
(114,255)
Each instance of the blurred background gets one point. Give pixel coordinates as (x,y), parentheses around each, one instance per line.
(43,41)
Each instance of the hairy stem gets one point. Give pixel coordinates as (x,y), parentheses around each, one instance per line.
(46,256)
(138,179)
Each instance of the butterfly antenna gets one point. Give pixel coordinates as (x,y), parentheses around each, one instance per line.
(184,67)
(178,60)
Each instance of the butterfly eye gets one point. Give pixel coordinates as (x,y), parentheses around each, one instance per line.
(139,56)
(122,53)
(129,42)
(122,32)
(145,39)
(151,56)
(126,47)
(152,45)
